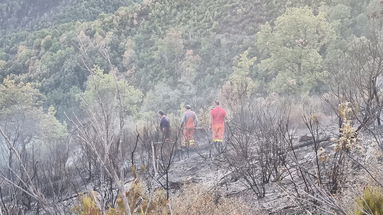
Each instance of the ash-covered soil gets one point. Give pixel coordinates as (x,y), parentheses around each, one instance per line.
(196,166)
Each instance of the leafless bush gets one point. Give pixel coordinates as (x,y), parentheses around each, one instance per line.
(328,172)
(103,141)
(256,146)
(35,177)
(166,159)
(160,155)
(357,79)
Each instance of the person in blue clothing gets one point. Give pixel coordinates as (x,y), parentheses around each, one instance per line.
(164,126)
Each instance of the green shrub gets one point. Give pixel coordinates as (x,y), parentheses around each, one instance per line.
(371,202)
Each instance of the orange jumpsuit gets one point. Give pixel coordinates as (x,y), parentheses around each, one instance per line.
(189,125)
(218,116)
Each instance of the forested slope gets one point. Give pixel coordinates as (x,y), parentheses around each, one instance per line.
(174,51)
(16,15)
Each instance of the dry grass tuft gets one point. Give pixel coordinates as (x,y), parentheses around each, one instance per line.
(198,200)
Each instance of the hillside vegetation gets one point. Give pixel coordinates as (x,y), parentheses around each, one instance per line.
(81,83)
(176,51)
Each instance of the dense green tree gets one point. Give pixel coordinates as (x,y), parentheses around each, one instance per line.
(294,48)
(21,105)
(105,92)
(240,86)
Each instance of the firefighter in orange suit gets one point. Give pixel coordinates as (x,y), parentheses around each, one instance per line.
(218,115)
(189,124)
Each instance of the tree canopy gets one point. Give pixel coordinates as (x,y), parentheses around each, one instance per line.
(294,49)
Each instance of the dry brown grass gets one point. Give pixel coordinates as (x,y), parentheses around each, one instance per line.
(193,200)
(196,200)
